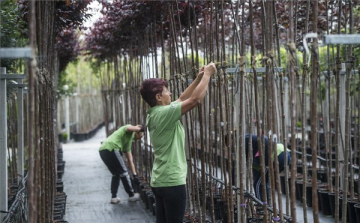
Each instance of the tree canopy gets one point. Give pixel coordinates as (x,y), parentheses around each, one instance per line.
(124,24)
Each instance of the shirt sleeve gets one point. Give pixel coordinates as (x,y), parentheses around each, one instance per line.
(126,139)
(171,113)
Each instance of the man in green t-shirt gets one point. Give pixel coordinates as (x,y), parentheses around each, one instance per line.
(167,136)
(111,151)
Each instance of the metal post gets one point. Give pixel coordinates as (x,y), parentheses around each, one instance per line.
(20,120)
(77,101)
(3,146)
(67,117)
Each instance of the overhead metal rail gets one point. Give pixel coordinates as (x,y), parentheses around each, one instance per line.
(343,39)
(16,53)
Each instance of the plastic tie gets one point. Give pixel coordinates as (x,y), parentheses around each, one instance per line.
(276,219)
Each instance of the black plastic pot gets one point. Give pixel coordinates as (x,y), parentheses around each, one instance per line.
(218,208)
(151,201)
(332,204)
(60,174)
(255,220)
(147,199)
(351,210)
(298,190)
(325,202)
(309,195)
(61,165)
(357,211)
(79,137)
(143,188)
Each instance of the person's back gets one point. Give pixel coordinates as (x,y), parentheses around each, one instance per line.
(256,147)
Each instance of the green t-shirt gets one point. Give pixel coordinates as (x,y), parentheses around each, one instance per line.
(167,137)
(119,140)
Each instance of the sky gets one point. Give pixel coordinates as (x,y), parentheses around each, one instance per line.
(95,7)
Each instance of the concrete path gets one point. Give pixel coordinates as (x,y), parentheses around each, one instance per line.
(87,185)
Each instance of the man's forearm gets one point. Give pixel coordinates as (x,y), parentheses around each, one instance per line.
(132,167)
(131,162)
(200,90)
(189,90)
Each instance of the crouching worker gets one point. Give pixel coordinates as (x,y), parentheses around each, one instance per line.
(111,151)
(256,162)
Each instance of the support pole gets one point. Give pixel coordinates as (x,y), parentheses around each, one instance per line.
(67,118)
(341,136)
(77,100)
(3,147)
(20,125)
(67,114)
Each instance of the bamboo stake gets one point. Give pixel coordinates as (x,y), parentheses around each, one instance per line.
(228,146)
(357,150)
(240,183)
(31,108)
(337,144)
(303,145)
(350,67)
(327,130)
(211,155)
(347,125)
(211,52)
(257,111)
(223,55)
(338,126)
(293,115)
(203,186)
(181,39)
(163,61)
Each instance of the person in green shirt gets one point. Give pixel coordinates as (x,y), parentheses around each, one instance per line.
(278,152)
(167,136)
(111,151)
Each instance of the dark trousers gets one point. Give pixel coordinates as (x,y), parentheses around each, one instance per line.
(257,175)
(116,165)
(170,204)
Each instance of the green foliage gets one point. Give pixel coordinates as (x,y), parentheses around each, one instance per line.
(80,76)
(298,124)
(64,81)
(11,27)
(95,67)
(64,136)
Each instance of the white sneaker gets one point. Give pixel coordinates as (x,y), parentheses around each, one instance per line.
(115,200)
(136,197)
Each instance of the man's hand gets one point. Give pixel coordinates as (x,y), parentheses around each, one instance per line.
(201,73)
(134,128)
(210,69)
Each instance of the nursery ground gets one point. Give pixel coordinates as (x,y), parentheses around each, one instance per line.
(87,185)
